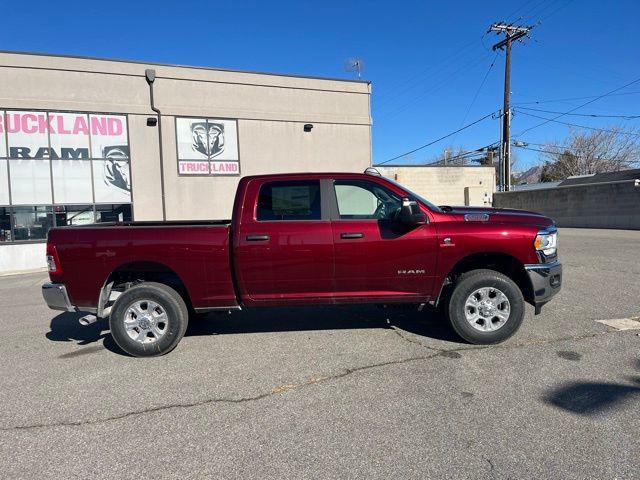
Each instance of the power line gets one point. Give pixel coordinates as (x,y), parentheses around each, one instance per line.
(559,153)
(464,155)
(409,83)
(520,143)
(594,115)
(556,11)
(441,82)
(438,139)
(538,150)
(547,120)
(475,97)
(529,11)
(512,14)
(576,108)
(559,100)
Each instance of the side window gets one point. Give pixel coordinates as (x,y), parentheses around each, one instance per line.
(295,200)
(359,199)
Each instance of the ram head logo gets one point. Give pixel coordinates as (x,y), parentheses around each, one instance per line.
(207,138)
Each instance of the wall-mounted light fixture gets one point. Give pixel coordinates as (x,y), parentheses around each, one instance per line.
(152,121)
(308,127)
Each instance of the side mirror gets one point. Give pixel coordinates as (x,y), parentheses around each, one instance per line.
(410,213)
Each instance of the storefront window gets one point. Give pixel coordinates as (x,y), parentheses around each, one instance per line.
(30,182)
(111,180)
(27,133)
(69,135)
(4,183)
(5,225)
(73,215)
(62,169)
(3,137)
(109,136)
(72,181)
(113,213)
(31,223)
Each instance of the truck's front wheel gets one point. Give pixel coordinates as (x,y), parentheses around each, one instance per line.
(485,307)
(148,320)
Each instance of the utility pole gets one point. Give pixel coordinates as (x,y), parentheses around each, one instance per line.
(512,32)
(490,157)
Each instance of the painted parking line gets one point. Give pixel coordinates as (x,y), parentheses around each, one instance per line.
(632,323)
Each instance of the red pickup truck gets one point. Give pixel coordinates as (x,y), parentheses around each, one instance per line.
(307,239)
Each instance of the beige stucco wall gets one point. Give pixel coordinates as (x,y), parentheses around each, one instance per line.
(271,111)
(265,147)
(443,185)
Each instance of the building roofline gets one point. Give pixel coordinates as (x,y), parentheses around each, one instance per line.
(387,165)
(161,64)
(307,174)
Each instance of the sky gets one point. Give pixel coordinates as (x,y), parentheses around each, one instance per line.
(430,62)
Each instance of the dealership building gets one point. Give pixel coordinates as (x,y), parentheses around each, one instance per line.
(86,140)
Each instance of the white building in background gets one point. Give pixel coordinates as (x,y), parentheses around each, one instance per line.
(459,185)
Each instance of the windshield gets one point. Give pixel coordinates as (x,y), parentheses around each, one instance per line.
(416,197)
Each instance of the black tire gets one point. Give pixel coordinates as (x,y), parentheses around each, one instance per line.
(469,283)
(169,300)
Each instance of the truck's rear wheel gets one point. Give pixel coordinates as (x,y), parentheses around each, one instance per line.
(148,320)
(485,307)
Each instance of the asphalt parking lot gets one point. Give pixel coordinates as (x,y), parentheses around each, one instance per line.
(356,392)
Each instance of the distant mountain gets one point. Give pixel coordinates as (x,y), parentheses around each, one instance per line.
(529,176)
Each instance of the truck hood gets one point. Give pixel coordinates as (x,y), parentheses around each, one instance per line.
(498,215)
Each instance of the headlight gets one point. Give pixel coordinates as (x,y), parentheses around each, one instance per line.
(546,242)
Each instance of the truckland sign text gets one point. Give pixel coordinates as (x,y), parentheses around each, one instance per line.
(54,135)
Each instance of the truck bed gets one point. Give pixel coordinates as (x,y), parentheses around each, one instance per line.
(168,223)
(196,251)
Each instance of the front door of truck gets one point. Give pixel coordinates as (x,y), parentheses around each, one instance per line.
(284,247)
(376,258)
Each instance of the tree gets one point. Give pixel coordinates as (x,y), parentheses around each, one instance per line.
(607,150)
(460,156)
(450,156)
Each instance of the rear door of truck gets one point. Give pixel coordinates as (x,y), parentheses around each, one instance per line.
(283,246)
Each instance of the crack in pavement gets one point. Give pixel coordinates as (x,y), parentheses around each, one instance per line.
(401,333)
(311,381)
(398,331)
(280,389)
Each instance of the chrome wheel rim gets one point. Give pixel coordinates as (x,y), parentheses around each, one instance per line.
(146,321)
(487,309)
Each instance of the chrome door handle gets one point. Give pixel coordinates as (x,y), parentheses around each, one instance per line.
(351,235)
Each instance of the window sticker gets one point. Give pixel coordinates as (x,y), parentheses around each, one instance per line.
(109,137)
(111,181)
(28,134)
(69,133)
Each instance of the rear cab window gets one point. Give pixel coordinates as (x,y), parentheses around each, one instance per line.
(289,200)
